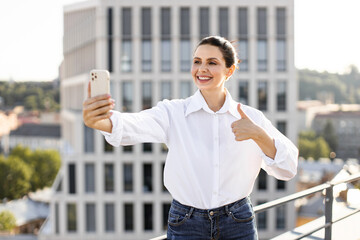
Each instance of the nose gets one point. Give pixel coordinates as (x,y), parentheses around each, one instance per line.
(202,68)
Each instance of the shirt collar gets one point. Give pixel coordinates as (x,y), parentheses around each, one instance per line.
(198,102)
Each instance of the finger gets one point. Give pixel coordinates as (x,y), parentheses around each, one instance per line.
(104,97)
(242,114)
(89,90)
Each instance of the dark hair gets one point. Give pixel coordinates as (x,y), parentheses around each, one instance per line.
(227,49)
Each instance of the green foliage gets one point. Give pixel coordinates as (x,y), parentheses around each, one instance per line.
(32,95)
(25,170)
(7,221)
(312,146)
(14,177)
(330,136)
(345,87)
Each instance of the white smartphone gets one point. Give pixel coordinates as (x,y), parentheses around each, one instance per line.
(100,82)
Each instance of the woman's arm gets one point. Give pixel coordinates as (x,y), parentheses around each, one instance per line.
(96,111)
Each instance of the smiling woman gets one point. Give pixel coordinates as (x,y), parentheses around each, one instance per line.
(214,144)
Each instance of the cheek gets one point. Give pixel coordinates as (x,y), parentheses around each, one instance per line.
(193,69)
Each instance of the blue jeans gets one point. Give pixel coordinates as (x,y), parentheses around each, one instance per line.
(233,221)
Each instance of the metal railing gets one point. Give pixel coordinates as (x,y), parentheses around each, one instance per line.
(329,197)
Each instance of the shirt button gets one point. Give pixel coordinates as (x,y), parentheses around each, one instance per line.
(211,213)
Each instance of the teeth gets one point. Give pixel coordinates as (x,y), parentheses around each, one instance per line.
(204,78)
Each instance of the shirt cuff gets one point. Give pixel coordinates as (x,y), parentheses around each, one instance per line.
(279,156)
(114,138)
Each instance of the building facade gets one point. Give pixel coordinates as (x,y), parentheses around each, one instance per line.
(103,192)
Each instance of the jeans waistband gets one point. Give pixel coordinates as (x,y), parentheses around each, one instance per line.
(226,209)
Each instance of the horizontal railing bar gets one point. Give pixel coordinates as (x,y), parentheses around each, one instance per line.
(347,215)
(312,231)
(289,198)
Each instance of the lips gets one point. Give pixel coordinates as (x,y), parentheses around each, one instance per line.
(203,78)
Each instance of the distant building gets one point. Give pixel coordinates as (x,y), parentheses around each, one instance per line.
(37,136)
(117,193)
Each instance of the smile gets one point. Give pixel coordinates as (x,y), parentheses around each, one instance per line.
(202,78)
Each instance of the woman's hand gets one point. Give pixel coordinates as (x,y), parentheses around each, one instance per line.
(245,129)
(96,111)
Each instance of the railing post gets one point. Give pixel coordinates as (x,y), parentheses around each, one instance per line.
(328,211)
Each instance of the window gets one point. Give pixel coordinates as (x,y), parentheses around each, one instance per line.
(244,92)
(72,178)
(224,22)
(262,95)
(108,148)
(127,149)
(165,55)
(128,177)
(88,139)
(185,89)
(147,177)
(243,55)
(147,147)
(57,223)
(126,22)
(281,39)
(71,217)
(148,216)
(281,95)
(262,180)
(165,39)
(110,36)
(89,178)
(146,46)
(281,126)
(281,55)
(165,211)
(185,55)
(165,90)
(146,95)
(126,56)
(185,49)
(129,217)
(127,96)
(262,39)
(243,39)
(109,217)
(146,56)
(280,185)
(204,22)
(262,55)
(90,217)
(109,177)
(261,218)
(281,217)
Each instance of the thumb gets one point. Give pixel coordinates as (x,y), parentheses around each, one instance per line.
(242,114)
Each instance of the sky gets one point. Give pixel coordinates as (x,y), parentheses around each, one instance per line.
(327,37)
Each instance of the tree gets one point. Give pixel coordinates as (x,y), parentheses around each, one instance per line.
(14,178)
(312,146)
(44,163)
(330,136)
(7,221)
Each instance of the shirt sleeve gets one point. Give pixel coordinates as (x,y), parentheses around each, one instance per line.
(150,125)
(284,165)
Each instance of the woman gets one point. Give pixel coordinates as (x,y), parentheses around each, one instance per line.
(216,148)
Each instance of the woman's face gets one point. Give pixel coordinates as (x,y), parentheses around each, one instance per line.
(208,70)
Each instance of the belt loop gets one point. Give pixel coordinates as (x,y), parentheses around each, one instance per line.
(227,210)
(190,212)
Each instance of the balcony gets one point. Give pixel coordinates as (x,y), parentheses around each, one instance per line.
(331,226)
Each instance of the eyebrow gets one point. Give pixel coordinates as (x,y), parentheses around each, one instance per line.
(209,59)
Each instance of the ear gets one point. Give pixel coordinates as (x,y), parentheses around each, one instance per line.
(231,71)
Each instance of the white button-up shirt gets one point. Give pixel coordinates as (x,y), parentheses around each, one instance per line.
(205,166)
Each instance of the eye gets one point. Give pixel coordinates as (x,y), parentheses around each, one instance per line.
(212,63)
(196,61)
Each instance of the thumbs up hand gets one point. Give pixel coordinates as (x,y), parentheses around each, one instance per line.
(244,128)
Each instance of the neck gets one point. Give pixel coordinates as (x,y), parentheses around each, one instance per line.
(214,99)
